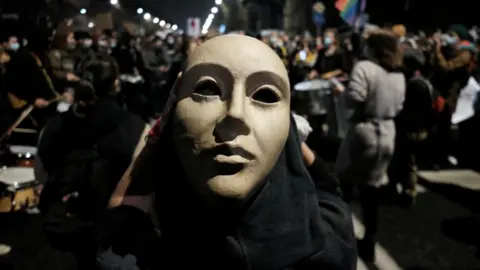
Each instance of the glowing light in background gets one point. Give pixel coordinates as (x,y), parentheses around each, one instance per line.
(140,10)
(83,11)
(222,28)
(156,20)
(147,16)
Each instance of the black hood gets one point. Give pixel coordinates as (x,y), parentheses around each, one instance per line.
(291,222)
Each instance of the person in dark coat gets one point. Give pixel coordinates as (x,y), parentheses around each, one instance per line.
(230,207)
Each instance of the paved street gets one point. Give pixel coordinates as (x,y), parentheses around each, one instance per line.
(441,232)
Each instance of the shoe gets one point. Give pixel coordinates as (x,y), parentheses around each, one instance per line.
(366,250)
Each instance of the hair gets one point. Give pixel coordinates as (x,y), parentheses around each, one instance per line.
(385,49)
(99,76)
(59,40)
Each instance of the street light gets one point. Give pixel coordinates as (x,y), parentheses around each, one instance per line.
(147,16)
(210,16)
(83,11)
(174,27)
(114,2)
(218,2)
(91,25)
(140,11)
(214,10)
(162,23)
(168,25)
(156,20)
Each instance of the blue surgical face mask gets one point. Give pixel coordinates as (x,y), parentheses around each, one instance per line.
(327,41)
(15,46)
(450,40)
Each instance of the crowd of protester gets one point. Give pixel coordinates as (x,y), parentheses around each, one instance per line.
(417,77)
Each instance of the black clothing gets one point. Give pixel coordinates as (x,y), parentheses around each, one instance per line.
(290,223)
(66,130)
(338,60)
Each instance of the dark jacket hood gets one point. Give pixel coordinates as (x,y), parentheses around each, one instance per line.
(291,222)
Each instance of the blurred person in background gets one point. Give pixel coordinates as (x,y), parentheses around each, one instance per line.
(61,59)
(413,125)
(332,60)
(106,41)
(159,62)
(452,65)
(82,155)
(400,31)
(84,51)
(131,63)
(11,44)
(375,93)
(30,62)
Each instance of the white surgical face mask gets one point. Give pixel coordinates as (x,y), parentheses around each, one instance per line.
(87,43)
(15,46)
(103,43)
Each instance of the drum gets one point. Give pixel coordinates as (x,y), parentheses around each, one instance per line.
(312,97)
(18,189)
(313,85)
(22,156)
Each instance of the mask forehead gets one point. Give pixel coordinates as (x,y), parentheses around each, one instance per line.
(242,56)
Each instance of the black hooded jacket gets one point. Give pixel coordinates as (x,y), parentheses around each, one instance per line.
(291,223)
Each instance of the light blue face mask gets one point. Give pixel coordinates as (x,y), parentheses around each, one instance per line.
(15,46)
(449,40)
(327,41)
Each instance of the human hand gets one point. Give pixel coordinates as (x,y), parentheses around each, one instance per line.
(41,103)
(312,75)
(72,77)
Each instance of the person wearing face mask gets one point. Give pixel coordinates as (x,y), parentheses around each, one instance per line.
(11,45)
(332,60)
(31,62)
(451,74)
(61,64)
(159,62)
(106,42)
(234,189)
(94,143)
(375,95)
(131,62)
(83,51)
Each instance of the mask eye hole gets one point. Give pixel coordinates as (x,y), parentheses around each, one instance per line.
(266,95)
(208,88)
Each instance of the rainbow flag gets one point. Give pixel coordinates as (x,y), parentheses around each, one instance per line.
(349,9)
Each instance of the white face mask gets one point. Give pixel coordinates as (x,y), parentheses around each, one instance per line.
(87,43)
(233,122)
(103,43)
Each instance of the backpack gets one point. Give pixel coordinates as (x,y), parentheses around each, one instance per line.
(422,103)
(77,192)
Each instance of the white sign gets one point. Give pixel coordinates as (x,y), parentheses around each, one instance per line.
(466,102)
(193,27)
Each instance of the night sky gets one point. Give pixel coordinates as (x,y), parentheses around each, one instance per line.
(173,11)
